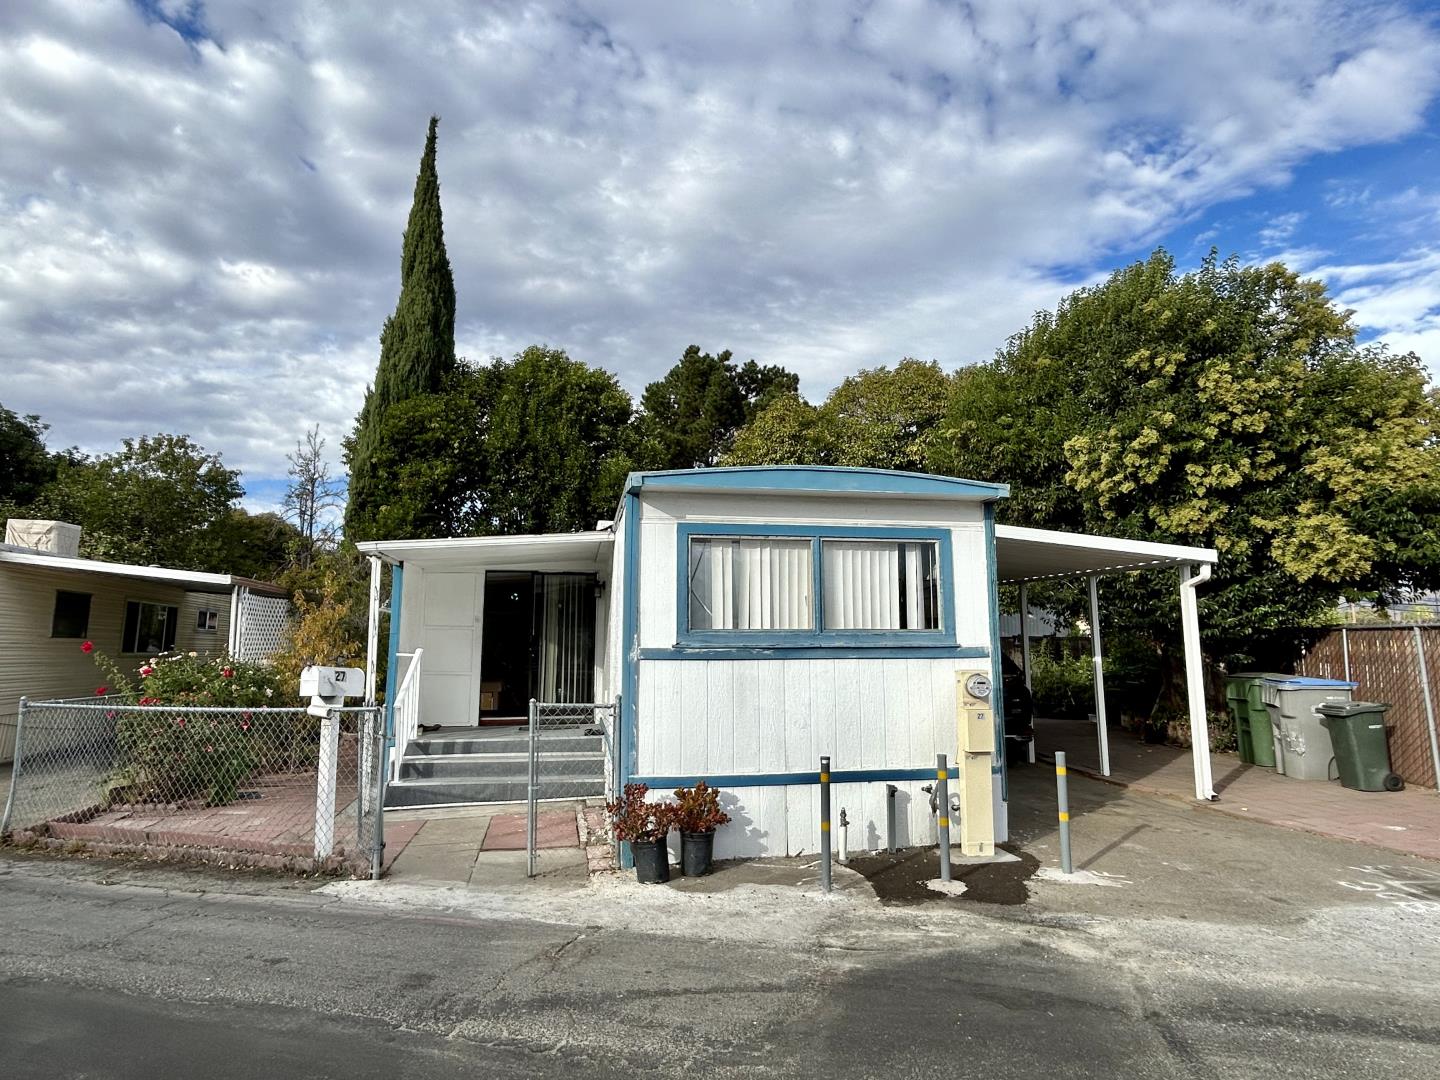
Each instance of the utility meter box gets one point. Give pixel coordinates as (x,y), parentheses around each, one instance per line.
(975,730)
(332,682)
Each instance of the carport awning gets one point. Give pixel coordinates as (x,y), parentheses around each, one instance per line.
(510,551)
(1036,554)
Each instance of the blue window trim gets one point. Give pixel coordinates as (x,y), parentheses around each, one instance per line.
(818,636)
(815,652)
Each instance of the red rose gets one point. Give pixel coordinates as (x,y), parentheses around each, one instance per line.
(146,671)
(228,673)
(101,691)
(87,646)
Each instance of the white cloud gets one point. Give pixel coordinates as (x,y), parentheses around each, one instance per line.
(204,236)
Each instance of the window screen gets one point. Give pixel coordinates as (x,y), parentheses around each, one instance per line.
(750,584)
(205,619)
(149,628)
(72,614)
(881,585)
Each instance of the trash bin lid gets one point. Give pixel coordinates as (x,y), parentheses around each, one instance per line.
(1301,682)
(1350,708)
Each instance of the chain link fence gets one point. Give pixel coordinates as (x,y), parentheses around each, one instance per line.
(572,756)
(267,787)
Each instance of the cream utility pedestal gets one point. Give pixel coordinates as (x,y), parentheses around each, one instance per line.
(976,729)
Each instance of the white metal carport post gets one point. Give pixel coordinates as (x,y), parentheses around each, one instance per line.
(1190,579)
(372,651)
(1025,660)
(1097,657)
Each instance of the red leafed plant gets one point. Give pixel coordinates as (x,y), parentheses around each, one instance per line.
(697,809)
(635,820)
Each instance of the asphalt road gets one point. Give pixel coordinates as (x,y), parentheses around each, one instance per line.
(110,972)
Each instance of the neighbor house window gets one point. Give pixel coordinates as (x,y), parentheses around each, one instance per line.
(149,628)
(207,619)
(747,583)
(880,585)
(72,614)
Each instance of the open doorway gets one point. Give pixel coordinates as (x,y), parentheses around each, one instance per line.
(538,641)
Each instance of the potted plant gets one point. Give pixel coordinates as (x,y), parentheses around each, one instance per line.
(643,825)
(697,816)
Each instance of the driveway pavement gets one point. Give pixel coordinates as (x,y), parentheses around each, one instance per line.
(1402,821)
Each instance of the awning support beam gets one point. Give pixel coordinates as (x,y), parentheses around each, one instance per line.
(1097,657)
(1190,579)
(1025,660)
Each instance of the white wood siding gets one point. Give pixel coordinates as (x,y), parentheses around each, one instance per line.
(721,717)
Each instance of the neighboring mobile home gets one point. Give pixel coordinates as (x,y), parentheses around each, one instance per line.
(51,602)
(749,621)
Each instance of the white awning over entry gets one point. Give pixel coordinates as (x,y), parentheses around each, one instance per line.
(1037,554)
(518,552)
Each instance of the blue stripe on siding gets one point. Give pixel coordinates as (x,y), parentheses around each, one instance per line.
(629,650)
(818,635)
(814,652)
(792,779)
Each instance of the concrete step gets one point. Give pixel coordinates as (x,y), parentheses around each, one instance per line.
(486,766)
(557,743)
(441,792)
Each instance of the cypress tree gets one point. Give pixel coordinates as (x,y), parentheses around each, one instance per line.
(417,350)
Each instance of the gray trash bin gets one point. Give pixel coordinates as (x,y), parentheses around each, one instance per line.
(1302,743)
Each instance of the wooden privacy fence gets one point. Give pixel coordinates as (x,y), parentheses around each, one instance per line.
(1385,662)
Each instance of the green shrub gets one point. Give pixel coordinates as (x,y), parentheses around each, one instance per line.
(1062,688)
(174,757)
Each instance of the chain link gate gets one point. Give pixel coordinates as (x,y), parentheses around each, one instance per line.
(268,787)
(572,756)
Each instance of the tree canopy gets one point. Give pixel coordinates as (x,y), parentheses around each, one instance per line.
(417,356)
(1230,407)
(25,465)
(881,418)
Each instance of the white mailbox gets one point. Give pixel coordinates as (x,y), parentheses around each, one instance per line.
(332,682)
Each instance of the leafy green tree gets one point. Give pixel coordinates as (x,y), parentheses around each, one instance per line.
(25,465)
(417,353)
(689,418)
(1230,408)
(254,545)
(883,418)
(160,499)
(554,445)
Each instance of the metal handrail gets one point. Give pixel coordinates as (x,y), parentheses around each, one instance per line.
(407,711)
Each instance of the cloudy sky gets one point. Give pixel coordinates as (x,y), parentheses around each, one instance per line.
(201,204)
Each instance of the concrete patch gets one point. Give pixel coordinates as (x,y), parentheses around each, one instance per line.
(1081,877)
(947,888)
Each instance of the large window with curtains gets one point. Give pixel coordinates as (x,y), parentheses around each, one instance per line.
(816,585)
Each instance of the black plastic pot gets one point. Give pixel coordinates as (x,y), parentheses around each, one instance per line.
(697,851)
(652,861)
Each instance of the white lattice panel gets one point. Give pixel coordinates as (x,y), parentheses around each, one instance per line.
(264,623)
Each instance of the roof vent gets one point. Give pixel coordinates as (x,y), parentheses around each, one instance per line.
(52,537)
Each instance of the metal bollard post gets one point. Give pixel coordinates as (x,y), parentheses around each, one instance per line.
(942,814)
(825,825)
(1062,789)
(844,854)
(890,790)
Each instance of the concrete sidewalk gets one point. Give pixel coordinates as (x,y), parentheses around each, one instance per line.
(1406,821)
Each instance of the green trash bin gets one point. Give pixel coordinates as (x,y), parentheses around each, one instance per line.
(1357,734)
(1253,735)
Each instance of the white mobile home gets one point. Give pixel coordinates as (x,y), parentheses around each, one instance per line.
(51,601)
(748,621)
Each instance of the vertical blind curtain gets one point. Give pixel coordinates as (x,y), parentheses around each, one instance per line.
(871,585)
(750,584)
(566,649)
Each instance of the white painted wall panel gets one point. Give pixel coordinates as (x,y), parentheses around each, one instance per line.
(729,717)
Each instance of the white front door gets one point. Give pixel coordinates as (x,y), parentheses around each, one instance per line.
(450,677)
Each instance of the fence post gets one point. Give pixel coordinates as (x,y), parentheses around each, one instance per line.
(942,813)
(1345,650)
(14,768)
(825,825)
(1424,690)
(531,792)
(1062,790)
(377,759)
(890,790)
(325,784)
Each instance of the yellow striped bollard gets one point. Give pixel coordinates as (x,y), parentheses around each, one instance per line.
(825,824)
(1062,788)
